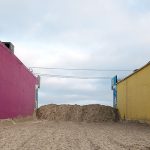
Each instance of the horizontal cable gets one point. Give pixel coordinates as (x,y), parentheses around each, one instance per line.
(73,77)
(88,69)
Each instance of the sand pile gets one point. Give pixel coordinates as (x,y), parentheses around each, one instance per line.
(88,113)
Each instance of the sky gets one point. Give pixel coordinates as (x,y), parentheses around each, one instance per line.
(98,34)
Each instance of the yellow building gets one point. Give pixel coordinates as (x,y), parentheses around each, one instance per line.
(133,95)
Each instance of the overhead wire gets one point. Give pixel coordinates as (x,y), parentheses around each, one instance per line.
(72,77)
(79,69)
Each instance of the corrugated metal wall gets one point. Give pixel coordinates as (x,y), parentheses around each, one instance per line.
(134,96)
(17,86)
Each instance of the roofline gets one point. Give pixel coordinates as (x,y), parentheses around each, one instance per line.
(138,70)
(17,59)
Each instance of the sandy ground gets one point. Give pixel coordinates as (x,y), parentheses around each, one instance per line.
(52,135)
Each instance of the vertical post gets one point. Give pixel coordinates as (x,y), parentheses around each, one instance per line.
(114,88)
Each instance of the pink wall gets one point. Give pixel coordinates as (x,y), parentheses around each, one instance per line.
(17,86)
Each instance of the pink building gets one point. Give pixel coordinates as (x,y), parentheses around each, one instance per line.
(18,86)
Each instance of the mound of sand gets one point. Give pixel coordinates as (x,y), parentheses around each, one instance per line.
(88,113)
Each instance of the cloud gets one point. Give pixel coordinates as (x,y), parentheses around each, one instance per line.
(105,34)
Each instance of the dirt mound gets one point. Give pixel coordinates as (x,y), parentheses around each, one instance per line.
(88,113)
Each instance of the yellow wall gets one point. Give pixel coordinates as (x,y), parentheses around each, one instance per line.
(133,96)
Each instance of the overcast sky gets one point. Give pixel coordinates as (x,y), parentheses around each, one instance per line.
(100,34)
